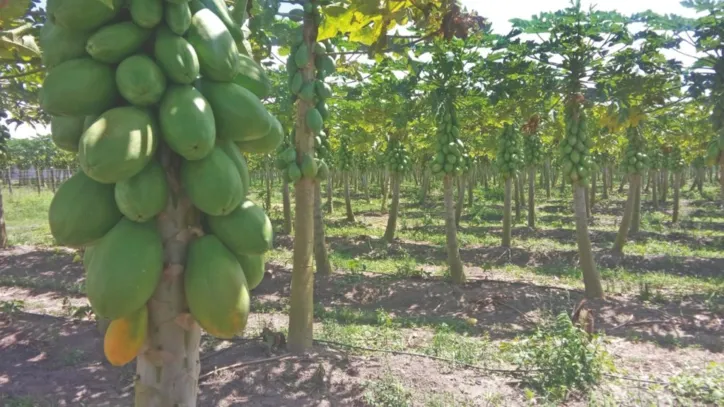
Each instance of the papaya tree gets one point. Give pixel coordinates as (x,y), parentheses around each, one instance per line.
(163,189)
(509,162)
(581,40)
(4,137)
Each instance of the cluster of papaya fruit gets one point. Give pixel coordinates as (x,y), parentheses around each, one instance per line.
(398,160)
(577,162)
(656,158)
(533,150)
(313,91)
(635,158)
(141,89)
(450,155)
(510,155)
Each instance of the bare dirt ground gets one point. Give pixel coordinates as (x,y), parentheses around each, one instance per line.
(50,355)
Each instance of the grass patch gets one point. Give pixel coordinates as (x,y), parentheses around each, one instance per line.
(387,391)
(26,215)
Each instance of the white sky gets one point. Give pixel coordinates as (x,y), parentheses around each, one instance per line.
(499,12)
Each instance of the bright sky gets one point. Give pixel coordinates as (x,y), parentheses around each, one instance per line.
(500,12)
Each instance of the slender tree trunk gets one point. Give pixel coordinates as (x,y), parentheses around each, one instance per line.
(677,190)
(52,180)
(461,199)
(507,213)
(516,197)
(648,182)
(395,179)
(654,188)
(453,252)
(486,184)
(301,302)
(604,180)
(563,185)
(622,184)
(721,179)
(347,199)
(586,195)
(39,180)
(330,195)
(268,180)
(591,278)
(700,173)
(531,197)
(8,176)
(383,209)
(287,204)
(366,186)
(548,178)
(594,187)
(521,187)
(636,218)
(425,187)
(3,230)
(321,257)
(167,373)
(471,187)
(665,185)
(628,211)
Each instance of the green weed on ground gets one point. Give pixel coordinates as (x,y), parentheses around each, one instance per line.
(26,215)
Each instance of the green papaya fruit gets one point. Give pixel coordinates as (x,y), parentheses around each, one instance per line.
(295,174)
(118,144)
(322,171)
(307,93)
(308,166)
(219,8)
(247,230)
(239,114)
(266,144)
(79,87)
(61,44)
(252,77)
(187,122)
(233,152)
(66,131)
(144,195)
(113,43)
(301,57)
(176,57)
(146,13)
(123,269)
(83,15)
(314,120)
(201,180)
(215,47)
(82,211)
(253,267)
(140,81)
(323,90)
(178,17)
(216,288)
(297,83)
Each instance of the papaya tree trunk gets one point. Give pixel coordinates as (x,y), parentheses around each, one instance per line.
(654,188)
(700,176)
(622,184)
(665,185)
(457,273)
(648,182)
(516,197)
(366,186)
(425,187)
(628,211)
(677,190)
(563,185)
(548,178)
(531,197)
(471,186)
(321,258)
(604,182)
(287,205)
(3,230)
(521,187)
(301,302)
(268,180)
(586,194)
(167,372)
(52,180)
(389,236)
(636,217)
(39,181)
(591,278)
(486,184)
(507,212)
(594,186)
(330,196)
(383,208)
(347,198)
(9,179)
(721,180)
(461,199)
